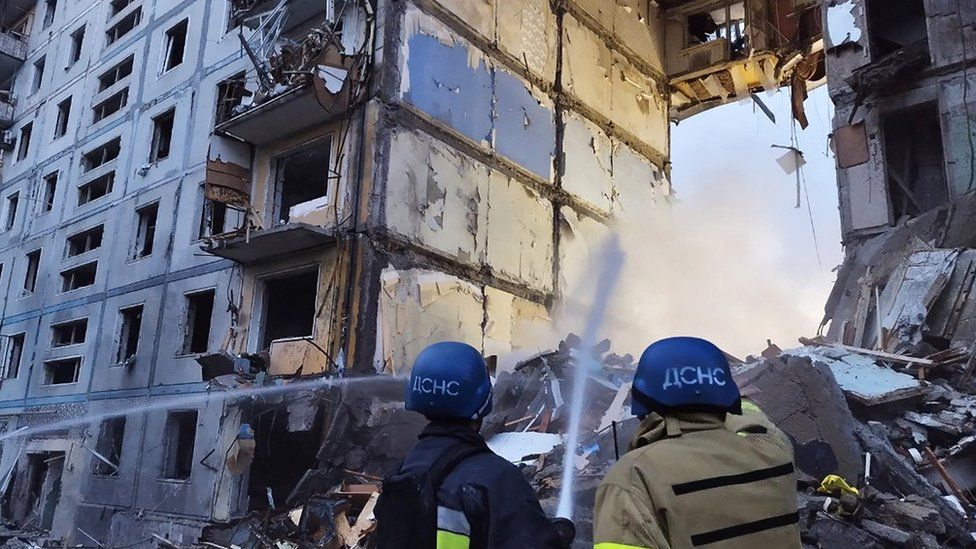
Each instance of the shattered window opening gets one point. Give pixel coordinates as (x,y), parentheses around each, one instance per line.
(289,306)
(38,75)
(13,356)
(115,74)
(50,8)
(130,327)
(728,23)
(196,328)
(213,218)
(145,230)
(101,155)
(230,95)
(69,333)
(115,103)
(62,372)
(123,27)
(915,160)
(894,25)
(179,440)
(96,188)
(79,277)
(175,45)
(116,7)
(109,446)
(33,264)
(302,176)
(84,241)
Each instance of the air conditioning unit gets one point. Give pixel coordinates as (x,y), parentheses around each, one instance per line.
(7,141)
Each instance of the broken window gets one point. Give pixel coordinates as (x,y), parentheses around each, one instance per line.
(915,160)
(289,306)
(110,106)
(725,23)
(162,135)
(96,188)
(213,218)
(196,329)
(146,230)
(25,137)
(69,333)
(38,75)
(38,489)
(102,154)
(116,7)
(115,74)
(12,202)
(84,241)
(13,356)
(179,439)
(230,95)
(302,176)
(175,46)
(33,264)
(50,189)
(64,113)
(123,27)
(894,25)
(79,277)
(130,327)
(109,447)
(77,42)
(50,7)
(62,372)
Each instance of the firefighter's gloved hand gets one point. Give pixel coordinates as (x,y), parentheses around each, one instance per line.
(565,530)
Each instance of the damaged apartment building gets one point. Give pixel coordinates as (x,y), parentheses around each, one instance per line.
(203,195)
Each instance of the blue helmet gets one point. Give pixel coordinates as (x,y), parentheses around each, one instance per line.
(684,373)
(450,380)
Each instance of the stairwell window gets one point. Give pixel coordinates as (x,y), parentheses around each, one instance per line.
(38,75)
(123,27)
(145,231)
(108,78)
(69,333)
(64,114)
(101,154)
(96,188)
(77,42)
(33,266)
(175,46)
(113,104)
(116,7)
(23,144)
(62,372)
(162,135)
(85,241)
(79,277)
(50,190)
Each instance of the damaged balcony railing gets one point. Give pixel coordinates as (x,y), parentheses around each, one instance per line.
(302,81)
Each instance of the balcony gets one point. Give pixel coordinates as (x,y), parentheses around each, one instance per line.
(12,11)
(13,51)
(297,11)
(6,112)
(259,245)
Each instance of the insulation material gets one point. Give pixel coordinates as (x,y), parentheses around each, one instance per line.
(867,199)
(443,79)
(579,238)
(641,30)
(529,35)
(842,25)
(525,130)
(586,66)
(297,355)
(478,14)
(435,196)
(317,211)
(637,184)
(513,324)
(421,306)
(520,243)
(637,105)
(587,161)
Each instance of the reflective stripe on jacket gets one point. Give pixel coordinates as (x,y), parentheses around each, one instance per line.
(485,501)
(695,480)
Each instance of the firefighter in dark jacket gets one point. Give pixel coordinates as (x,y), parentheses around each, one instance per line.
(452,492)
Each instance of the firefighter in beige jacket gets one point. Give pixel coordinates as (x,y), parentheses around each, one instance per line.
(704,469)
